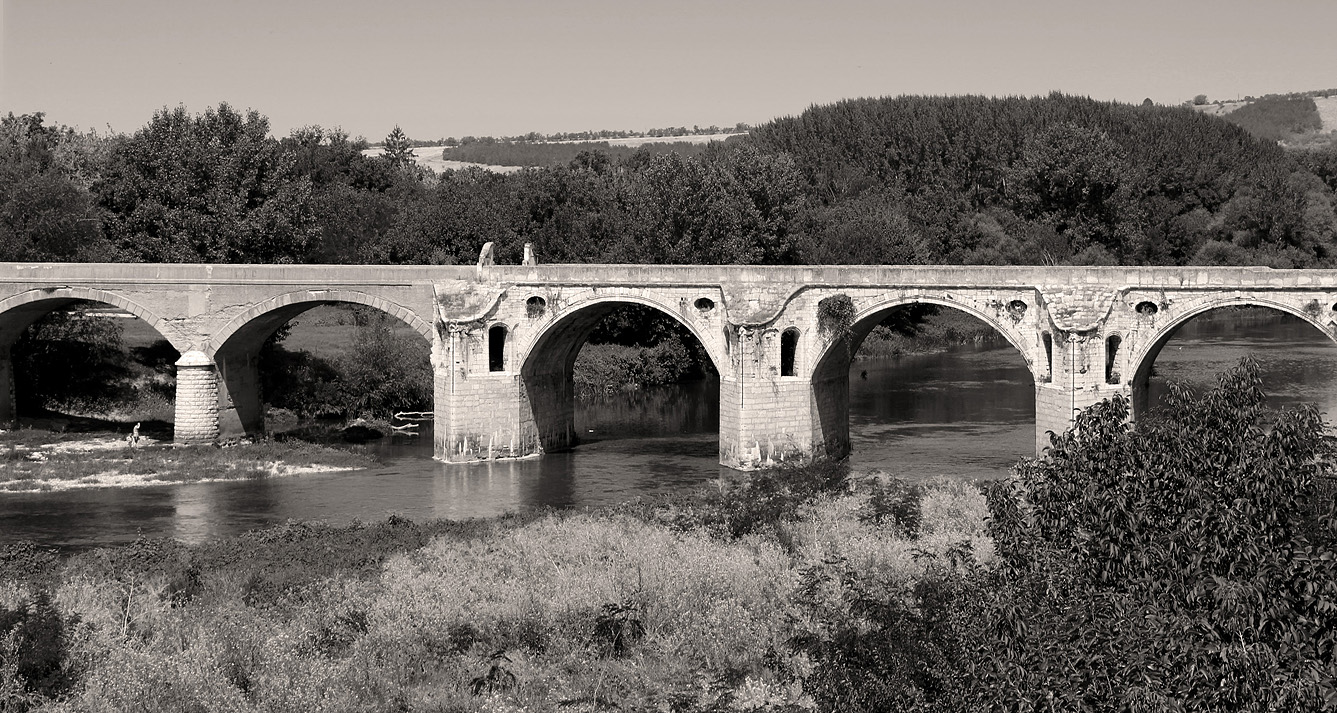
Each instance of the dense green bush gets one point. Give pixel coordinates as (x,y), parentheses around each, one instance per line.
(1182,562)
(1275,118)
(603,367)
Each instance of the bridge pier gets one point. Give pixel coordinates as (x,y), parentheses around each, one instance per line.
(763,422)
(1076,381)
(481,414)
(196,400)
(765,418)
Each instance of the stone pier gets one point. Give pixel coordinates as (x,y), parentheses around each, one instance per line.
(196,399)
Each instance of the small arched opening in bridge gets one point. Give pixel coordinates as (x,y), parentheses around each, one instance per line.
(623,368)
(926,389)
(87,355)
(1294,351)
(789,352)
(326,357)
(496,348)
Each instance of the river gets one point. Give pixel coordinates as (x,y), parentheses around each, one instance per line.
(966,413)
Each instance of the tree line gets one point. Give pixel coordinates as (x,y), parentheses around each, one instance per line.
(908,180)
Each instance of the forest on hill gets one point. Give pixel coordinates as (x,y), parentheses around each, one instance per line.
(915,180)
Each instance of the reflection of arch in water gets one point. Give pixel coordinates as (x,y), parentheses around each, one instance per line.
(1141,363)
(237,349)
(547,372)
(831,379)
(20,311)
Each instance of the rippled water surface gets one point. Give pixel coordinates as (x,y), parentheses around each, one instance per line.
(967,414)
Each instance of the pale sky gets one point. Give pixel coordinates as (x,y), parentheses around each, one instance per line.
(504,67)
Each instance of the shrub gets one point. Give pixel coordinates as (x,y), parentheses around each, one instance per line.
(381,373)
(34,643)
(835,317)
(1182,562)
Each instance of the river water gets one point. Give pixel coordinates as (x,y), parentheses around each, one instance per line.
(967,413)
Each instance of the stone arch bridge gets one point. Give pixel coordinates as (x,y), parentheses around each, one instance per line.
(504,337)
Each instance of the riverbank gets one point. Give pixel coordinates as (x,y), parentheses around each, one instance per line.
(684,603)
(41,461)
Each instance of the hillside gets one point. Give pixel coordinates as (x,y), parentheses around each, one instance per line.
(1050,179)
(1295,120)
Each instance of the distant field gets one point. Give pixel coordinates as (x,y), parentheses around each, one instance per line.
(1327,112)
(1326,107)
(634,141)
(430,157)
(511,157)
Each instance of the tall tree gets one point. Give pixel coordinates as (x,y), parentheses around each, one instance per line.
(399,149)
(46,212)
(209,188)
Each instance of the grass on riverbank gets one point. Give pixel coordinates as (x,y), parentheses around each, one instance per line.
(33,460)
(688,604)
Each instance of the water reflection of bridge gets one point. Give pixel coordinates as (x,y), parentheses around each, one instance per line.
(504,338)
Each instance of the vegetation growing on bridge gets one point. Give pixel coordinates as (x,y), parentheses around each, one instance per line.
(1184,562)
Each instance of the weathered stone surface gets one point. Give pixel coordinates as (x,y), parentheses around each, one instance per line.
(1085,333)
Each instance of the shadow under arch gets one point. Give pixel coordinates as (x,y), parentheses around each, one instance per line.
(547,372)
(1144,359)
(236,350)
(21,311)
(831,373)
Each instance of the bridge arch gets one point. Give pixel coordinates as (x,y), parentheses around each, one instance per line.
(830,372)
(294,303)
(602,305)
(547,363)
(18,312)
(868,318)
(236,349)
(1141,360)
(21,310)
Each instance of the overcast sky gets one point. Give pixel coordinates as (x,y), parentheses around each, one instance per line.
(503,67)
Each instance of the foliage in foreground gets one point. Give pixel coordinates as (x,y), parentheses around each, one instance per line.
(1185,562)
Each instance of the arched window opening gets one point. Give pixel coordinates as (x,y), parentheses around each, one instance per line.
(496,348)
(788,351)
(1049,356)
(1111,359)
(535,307)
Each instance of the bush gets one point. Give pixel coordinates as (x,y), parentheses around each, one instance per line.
(605,367)
(382,372)
(1184,562)
(34,643)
